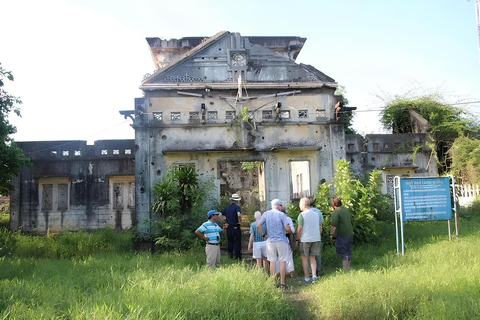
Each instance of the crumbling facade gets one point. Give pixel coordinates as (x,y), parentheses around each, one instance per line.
(216,103)
(402,154)
(71,186)
(234,98)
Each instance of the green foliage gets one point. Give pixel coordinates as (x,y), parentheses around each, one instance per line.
(349,117)
(130,286)
(293,210)
(465,154)
(249,166)
(11,156)
(67,245)
(181,203)
(384,285)
(447,122)
(472,211)
(362,199)
(245,116)
(116,284)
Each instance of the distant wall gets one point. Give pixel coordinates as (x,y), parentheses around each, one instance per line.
(402,154)
(71,185)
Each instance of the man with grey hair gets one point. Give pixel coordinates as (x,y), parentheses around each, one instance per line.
(277,242)
(308,232)
(257,244)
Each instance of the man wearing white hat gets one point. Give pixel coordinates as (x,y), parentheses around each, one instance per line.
(233,217)
(277,242)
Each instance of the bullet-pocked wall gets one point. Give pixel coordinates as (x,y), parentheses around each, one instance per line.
(231,99)
(71,186)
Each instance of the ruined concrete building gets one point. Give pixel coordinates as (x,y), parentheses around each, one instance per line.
(215,103)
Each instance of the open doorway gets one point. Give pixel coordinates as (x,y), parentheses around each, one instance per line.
(299,179)
(246,178)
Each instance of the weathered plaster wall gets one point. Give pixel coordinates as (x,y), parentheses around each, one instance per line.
(311,135)
(404,154)
(82,177)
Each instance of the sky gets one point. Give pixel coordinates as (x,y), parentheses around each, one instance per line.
(77,63)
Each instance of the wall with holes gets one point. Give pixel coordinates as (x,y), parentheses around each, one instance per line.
(402,154)
(71,186)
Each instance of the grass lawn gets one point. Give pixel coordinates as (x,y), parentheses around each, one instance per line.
(98,276)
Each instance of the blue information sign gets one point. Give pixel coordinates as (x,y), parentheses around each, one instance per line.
(426,199)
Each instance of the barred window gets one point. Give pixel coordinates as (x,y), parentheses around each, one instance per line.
(320,113)
(122,192)
(175,116)
(302,114)
(267,114)
(230,114)
(194,117)
(54,194)
(212,115)
(285,114)
(158,116)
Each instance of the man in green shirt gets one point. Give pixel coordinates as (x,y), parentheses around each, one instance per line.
(343,229)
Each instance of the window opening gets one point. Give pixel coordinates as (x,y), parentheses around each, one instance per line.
(300,179)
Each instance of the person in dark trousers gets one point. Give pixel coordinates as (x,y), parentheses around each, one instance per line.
(343,230)
(233,217)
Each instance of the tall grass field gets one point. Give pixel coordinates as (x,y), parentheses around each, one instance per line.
(98,275)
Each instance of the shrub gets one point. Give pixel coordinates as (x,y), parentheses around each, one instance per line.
(181,203)
(362,199)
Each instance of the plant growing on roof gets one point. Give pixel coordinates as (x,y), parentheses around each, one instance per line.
(447,122)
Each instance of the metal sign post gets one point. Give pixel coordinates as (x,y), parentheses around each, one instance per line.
(423,199)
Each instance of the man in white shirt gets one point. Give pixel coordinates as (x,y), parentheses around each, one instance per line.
(308,233)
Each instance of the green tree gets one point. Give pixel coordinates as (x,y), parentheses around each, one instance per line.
(11,156)
(348,115)
(447,122)
(465,156)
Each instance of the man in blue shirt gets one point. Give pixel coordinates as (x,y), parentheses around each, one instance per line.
(210,232)
(277,242)
(233,217)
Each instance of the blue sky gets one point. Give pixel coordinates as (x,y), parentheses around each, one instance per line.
(77,63)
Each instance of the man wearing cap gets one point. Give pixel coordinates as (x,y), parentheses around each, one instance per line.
(277,243)
(210,232)
(233,217)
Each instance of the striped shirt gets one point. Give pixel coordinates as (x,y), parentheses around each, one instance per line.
(257,237)
(211,230)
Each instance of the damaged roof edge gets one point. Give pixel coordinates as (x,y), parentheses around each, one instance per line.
(202,45)
(230,86)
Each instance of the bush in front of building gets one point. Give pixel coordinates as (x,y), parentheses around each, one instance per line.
(364,200)
(182,199)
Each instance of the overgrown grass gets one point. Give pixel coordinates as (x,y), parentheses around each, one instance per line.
(66,245)
(436,279)
(97,275)
(167,286)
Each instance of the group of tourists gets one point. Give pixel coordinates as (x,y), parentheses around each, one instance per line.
(273,237)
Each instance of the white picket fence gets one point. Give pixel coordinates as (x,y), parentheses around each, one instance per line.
(468,192)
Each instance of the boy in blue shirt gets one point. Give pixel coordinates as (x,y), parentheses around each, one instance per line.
(210,232)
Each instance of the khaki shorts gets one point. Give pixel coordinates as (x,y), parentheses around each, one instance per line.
(310,248)
(277,251)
